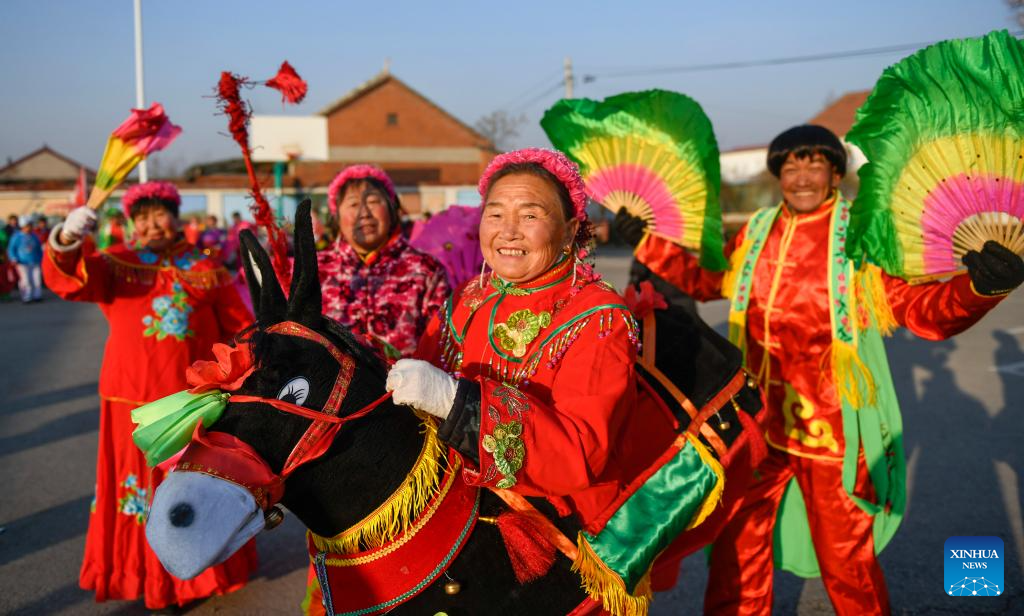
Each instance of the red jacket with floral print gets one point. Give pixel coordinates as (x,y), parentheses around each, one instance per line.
(388,296)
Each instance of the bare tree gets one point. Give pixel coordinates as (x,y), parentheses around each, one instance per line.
(501,128)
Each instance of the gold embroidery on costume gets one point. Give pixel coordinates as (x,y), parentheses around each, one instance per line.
(520,329)
(508,451)
(819,431)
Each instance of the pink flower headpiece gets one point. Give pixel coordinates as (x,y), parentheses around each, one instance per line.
(554,162)
(150,191)
(358,172)
(564,170)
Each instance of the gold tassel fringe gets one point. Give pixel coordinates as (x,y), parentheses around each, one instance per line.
(732,274)
(604,585)
(137,273)
(852,377)
(871,295)
(712,499)
(401,509)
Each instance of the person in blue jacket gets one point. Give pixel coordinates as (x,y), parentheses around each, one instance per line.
(26,252)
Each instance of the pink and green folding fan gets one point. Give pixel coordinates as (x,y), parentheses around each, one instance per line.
(652,152)
(944,133)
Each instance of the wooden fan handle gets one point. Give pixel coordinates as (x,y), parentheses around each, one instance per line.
(98,196)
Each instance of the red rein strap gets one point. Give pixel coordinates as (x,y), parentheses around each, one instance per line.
(318,437)
(302,411)
(240,463)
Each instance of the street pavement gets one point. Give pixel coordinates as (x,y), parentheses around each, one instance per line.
(963,413)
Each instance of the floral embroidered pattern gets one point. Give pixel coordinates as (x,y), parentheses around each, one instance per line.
(508,451)
(134,502)
(504,442)
(171,318)
(514,402)
(520,329)
(187,259)
(507,288)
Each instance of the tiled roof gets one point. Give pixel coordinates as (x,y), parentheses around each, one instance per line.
(838,117)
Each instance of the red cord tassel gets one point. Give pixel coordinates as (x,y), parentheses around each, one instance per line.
(230,99)
(530,552)
(287,81)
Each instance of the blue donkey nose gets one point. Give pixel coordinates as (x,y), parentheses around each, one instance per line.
(182,515)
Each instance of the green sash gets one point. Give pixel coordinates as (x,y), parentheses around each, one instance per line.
(871,417)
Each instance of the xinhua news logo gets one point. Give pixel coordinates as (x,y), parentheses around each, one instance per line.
(974,566)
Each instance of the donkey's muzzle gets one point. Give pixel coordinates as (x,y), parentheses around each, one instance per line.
(198,521)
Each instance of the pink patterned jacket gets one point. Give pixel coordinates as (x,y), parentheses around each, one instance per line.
(390,297)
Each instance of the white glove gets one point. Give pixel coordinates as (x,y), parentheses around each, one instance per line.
(419,384)
(81,221)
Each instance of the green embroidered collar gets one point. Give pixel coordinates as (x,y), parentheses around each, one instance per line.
(560,271)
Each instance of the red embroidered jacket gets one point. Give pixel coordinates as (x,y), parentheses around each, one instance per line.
(389,296)
(165,310)
(788,322)
(547,403)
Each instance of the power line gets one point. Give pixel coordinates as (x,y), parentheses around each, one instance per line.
(693,68)
(557,86)
(532,89)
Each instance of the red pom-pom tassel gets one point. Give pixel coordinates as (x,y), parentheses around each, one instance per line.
(287,81)
(530,552)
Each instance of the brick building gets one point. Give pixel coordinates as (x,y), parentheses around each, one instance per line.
(386,122)
(434,158)
(40,181)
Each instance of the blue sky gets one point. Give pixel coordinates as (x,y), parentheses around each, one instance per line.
(68,73)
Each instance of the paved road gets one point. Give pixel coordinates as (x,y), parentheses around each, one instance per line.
(963,403)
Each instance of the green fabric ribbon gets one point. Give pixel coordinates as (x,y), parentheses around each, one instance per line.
(658,512)
(166,425)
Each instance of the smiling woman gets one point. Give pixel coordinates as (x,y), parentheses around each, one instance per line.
(527,223)
(531,368)
(374,282)
(167,303)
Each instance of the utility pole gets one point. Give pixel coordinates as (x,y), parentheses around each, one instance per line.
(568,77)
(140,99)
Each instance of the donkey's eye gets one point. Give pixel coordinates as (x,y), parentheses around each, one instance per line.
(295,391)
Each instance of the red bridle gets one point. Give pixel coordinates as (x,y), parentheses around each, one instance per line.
(226,456)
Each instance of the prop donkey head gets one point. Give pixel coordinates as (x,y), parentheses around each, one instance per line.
(297,391)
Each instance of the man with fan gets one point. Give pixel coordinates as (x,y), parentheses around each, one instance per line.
(810,321)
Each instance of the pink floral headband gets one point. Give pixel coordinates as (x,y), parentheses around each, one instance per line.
(150,191)
(554,162)
(358,172)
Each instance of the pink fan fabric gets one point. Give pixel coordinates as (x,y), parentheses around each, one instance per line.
(148,130)
(453,238)
(358,172)
(148,191)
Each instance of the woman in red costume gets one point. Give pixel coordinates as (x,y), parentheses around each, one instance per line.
(373,281)
(531,366)
(792,294)
(166,303)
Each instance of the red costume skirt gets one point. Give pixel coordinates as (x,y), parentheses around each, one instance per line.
(118,562)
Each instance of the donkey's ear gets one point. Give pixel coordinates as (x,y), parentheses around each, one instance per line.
(305,302)
(267,297)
